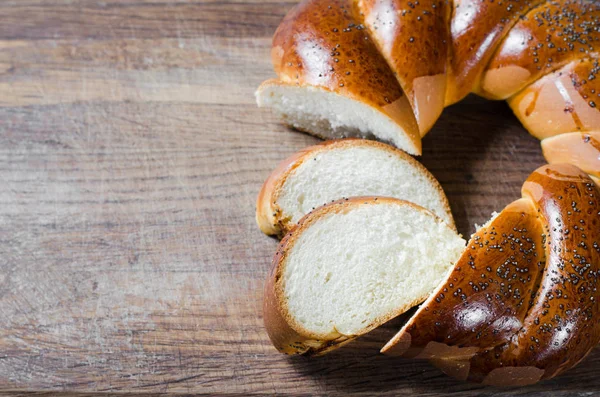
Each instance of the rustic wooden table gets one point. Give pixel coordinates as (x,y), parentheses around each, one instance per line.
(131,153)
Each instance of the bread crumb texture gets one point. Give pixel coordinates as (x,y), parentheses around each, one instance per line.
(349,270)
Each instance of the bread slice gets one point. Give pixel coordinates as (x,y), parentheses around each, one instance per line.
(330,115)
(343,168)
(350,266)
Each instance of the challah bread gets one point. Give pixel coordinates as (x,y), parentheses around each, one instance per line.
(522,302)
(520,305)
(350,266)
(344,168)
(386,68)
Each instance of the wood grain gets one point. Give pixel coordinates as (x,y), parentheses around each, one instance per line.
(131,153)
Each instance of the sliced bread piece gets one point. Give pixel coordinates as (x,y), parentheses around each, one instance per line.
(350,266)
(331,115)
(343,168)
(332,81)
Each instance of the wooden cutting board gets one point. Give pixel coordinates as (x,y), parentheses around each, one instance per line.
(131,154)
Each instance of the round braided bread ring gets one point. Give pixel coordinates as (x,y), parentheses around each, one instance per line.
(521,305)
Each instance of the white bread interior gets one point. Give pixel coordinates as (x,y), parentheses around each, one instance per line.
(350,270)
(359,168)
(329,115)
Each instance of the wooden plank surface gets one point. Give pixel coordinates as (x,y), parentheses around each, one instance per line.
(131,153)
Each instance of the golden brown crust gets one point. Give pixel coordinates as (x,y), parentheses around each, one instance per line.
(270,217)
(286,334)
(581,149)
(324,44)
(547,38)
(477,28)
(413,38)
(521,320)
(559,102)
(541,55)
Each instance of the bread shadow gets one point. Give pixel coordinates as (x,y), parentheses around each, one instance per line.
(481,155)
(359,368)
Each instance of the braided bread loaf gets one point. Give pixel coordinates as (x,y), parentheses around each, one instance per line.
(522,302)
(388,67)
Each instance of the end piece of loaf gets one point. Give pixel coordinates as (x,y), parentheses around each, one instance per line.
(337,169)
(350,266)
(330,115)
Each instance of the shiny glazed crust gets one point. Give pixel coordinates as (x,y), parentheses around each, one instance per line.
(560,102)
(324,44)
(521,304)
(414,45)
(578,148)
(409,59)
(269,215)
(477,28)
(549,36)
